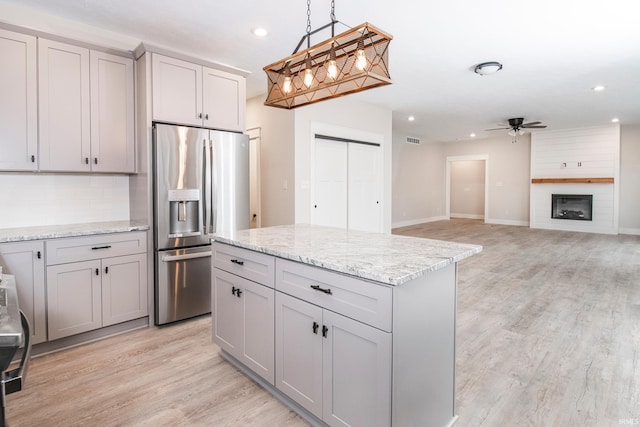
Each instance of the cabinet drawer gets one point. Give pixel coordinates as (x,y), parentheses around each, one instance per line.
(367,302)
(72,249)
(249,264)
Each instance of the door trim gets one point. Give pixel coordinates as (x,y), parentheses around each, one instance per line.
(451,159)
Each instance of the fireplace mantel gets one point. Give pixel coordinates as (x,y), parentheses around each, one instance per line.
(572,180)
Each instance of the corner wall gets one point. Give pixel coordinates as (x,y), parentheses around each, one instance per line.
(277,172)
(629,222)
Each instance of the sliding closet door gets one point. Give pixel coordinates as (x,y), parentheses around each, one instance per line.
(329,195)
(364,188)
(346,185)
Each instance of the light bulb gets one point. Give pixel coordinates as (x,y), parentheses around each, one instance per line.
(308,77)
(332,69)
(361,59)
(286,87)
(512,132)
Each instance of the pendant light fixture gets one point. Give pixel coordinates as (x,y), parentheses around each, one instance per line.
(350,62)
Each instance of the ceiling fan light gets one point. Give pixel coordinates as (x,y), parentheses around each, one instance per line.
(512,132)
(520,131)
(486,68)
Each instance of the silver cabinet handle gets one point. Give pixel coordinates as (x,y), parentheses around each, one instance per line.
(168,258)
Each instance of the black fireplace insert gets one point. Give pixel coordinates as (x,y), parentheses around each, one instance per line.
(572,206)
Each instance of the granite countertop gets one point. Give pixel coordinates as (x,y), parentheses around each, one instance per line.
(21,234)
(385,258)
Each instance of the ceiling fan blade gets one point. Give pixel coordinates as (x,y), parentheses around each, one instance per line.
(535,127)
(497,129)
(530,123)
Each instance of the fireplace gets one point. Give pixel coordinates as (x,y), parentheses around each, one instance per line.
(571,206)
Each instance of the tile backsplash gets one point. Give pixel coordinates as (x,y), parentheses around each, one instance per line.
(50,199)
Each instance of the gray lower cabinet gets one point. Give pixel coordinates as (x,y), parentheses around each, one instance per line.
(243,307)
(25,260)
(244,321)
(337,368)
(96,281)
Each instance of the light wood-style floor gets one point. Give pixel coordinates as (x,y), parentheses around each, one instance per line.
(548,334)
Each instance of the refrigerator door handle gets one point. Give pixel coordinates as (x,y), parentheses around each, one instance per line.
(213,204)
(206,183)
(170,258)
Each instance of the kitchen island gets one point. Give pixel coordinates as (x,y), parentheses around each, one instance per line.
(346,327)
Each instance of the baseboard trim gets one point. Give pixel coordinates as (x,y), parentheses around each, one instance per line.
(87,337)
(507,222)
(467,216)
(633,231)
(410,222)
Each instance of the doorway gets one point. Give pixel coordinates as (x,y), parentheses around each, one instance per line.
(254,178)
(467,187)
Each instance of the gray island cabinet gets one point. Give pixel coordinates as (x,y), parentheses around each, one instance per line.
(348,328)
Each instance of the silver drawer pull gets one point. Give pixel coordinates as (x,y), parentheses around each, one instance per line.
(318,288)
(167,258)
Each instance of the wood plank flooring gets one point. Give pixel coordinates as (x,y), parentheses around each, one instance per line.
(548,334)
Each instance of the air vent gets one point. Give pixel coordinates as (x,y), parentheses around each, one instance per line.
(413,140)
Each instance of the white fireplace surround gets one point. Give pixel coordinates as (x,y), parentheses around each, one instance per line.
(578,153)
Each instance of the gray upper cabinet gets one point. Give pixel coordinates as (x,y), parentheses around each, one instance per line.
(86,110)
(64,107)
(18,102)
(112,105)
(192,94)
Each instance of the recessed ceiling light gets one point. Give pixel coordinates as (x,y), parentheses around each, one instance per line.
(472,135)
(615,120)
(598,88)
(411,118)
(259,32)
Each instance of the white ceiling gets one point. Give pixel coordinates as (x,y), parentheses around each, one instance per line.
(553,51)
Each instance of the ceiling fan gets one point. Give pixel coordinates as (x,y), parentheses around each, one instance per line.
(517,126)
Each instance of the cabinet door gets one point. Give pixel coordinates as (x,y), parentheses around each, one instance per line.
(223,100)
(227,312)
(73,298)
(244,321)
(18,102)
(25,260)
(258,322)
(112,142)
(177,90)
(124,288)
(65,137)
(299,352)
(356,373)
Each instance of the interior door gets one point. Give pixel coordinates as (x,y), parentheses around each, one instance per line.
(329,198)
(364,188)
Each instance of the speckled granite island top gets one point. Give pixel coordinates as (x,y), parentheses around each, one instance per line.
(20,234)
(384,258)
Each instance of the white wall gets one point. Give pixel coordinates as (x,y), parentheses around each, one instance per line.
(629,222)
(418,182)
(363,120)
(467,189)
(46,199)
(277,172)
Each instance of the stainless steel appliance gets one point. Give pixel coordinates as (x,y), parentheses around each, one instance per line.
(14,331)
(201,185)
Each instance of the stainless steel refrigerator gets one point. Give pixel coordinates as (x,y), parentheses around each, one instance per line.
(201,185)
